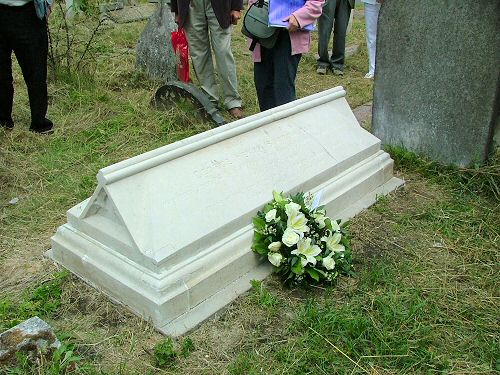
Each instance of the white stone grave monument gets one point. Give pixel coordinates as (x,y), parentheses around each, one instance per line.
(168,233)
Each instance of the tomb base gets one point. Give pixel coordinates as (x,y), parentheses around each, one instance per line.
(168,233)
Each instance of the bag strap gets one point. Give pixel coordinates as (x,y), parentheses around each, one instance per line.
(252,45)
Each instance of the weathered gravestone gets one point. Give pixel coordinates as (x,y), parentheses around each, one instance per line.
(32,337)
(436,86)
(168,233)
(155,55)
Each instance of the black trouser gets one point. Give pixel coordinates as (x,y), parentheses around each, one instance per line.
(274,76)
(338,12)
(24,33)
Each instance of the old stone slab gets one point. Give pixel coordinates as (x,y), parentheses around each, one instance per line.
(33,336)
(127,14)
(174,93)
(168,233)
(436,86)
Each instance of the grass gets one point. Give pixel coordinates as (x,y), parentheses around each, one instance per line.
(43,301)
(424,299)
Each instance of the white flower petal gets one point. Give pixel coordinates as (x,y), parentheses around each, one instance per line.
(311,259)
(289,237)
(335,226)
(271,215)
(274,246)
(291,208)
(328,263)
(338,248)
(275,259)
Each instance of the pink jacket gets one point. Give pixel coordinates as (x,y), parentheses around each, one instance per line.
(300,39)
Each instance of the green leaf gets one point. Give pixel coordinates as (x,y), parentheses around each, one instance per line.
(259,223)
(260,248)
(258,237)
(278,197)
(297,268)
(268,207)
(328,224)
(299,199)
(280,227)
(321,272)
(313,273)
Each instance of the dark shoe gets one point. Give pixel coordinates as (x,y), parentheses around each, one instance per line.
(46,127)
(7,124)
(321,70)
(338,72)
(236,112)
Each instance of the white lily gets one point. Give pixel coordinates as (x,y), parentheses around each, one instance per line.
(309,251)
(291,207)
(271,215)
(296,220)
(320,219)
(275,259)
(274,246)
(289,237)
(328,262)
(335,226)
(333,243)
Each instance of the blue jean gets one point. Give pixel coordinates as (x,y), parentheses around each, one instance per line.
(24,34)
(274,76)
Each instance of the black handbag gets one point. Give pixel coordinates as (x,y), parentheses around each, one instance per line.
(256,26)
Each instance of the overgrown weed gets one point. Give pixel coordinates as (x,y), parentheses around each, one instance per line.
(484,180)
(43,302)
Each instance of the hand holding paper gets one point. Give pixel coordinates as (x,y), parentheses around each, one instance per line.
(281,14)
(293,24)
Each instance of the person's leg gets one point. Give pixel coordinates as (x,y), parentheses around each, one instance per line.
(325,25)
(342,14)
(371,18)
(263,75)
(196,28)
(31,49)
(285,70)
(6,81)
(226,67)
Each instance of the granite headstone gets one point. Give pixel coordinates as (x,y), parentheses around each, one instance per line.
(155,55)
(436,86)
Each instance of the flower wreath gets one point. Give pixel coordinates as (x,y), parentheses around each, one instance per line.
(304,244)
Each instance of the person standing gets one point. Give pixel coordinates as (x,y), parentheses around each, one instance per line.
(275,68)
(372,8)
(208,24)
(23,30)
(335,16)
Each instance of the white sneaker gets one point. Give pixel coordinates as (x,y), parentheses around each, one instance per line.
(369,75)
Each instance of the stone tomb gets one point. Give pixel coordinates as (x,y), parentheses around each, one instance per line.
(438,76)
(168,233)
